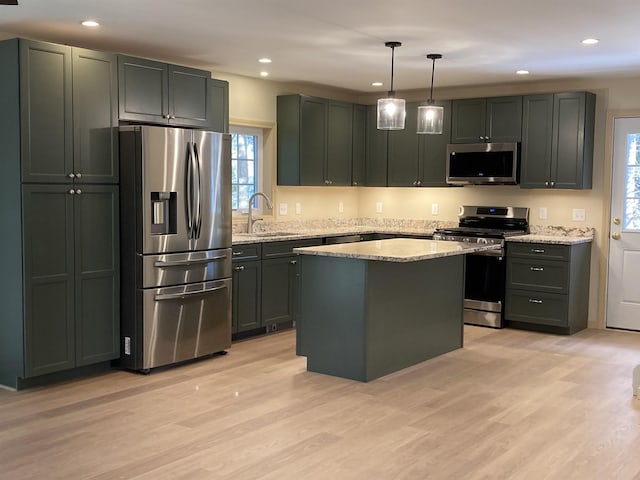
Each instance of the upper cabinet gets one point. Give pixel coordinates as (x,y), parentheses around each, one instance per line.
(493,119)
(156,92)
(315,141)
(557,140)
(68,103)
(359,147)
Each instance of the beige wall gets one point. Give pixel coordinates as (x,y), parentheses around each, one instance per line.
(256,99)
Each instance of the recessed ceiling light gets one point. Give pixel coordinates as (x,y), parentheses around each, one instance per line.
(376,84)
(90,23)
(264,74)
(264,60)
(522,72)
(590,41)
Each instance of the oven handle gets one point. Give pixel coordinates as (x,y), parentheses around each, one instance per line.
(182,296)
(181,263)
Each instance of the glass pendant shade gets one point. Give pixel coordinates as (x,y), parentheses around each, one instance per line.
(391,113)
(430,119)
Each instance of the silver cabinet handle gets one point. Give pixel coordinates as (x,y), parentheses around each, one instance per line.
(235,254)
(72,192)
(355,183)
(72,175)
(546,184)
(78,175)
(78,191)
(537,250)
(553,184)
(535,300)
(293,262)
(537,269)
(419,183)
(239,268)
(181,296)
(180,263)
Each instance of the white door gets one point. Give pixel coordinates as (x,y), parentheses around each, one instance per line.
(623,297)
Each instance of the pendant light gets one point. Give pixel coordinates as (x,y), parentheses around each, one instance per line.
(430,116)
(391,110)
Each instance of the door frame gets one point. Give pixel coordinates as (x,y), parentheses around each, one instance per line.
(603,275)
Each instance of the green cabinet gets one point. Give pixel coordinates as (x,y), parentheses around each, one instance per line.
(59,172)
(493,119)
(157,92)
(548,286)
(358,172)
(376,151)
(557,140)
(219,91)
(247,283)
(315,144)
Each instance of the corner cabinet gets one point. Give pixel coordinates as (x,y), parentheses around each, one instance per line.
(493,119)
(557,140)
(548,286)
(156,92)
(315,144)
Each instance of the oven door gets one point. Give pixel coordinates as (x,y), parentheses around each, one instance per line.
(484,288)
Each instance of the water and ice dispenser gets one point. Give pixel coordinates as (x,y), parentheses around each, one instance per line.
(163,213)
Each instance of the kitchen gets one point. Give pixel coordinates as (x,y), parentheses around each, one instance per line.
(253,101)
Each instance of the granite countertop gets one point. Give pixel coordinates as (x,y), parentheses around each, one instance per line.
(395,249)
(550,239)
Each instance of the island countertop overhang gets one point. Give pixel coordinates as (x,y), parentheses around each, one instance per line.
(396,249)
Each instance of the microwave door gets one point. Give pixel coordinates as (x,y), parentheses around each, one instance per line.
(212,224)
(166,206)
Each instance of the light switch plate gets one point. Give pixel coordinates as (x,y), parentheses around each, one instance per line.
(378,207)
(542,213)
(340,207)
(283,209)
(298,208)
(434,209)
(579,214)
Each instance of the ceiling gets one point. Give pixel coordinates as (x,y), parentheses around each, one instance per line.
(340,43)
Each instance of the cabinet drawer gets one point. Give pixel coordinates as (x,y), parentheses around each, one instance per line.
(540,275)
(537,307)
(284,249)
(251,251)
(538,250)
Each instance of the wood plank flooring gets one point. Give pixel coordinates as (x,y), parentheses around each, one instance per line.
(509,405)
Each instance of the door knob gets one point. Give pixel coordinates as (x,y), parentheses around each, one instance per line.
(616,221)
(615,235)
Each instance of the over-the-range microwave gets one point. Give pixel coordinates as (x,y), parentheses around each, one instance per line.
(483,163)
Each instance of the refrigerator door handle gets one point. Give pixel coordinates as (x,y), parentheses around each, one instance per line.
(189,182)
(197,214)
(180,263)
(180,296)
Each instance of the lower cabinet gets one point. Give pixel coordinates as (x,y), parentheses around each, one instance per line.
(548,286)
(265,284)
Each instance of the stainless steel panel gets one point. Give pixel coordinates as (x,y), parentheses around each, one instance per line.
(482,305)
(189,267)
(185,322)
(479,317)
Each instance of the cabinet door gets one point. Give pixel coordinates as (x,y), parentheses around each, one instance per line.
(313,140)
(339,143)
(358,171)
(48,264)
(97,274)
(504,119)
(143,90)
(433,152)
(376,152)
(190,103)
(247,279)
(402,153)
(46,112)
(468,117)
(537,129)
(572,155)
(95,116)
(278,277)
(219,93)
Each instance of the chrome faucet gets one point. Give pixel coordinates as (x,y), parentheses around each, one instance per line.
(251,220)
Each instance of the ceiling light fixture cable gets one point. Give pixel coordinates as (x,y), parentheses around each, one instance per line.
(391,110)
(430,116)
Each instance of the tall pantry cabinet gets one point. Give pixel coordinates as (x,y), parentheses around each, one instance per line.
(58,209)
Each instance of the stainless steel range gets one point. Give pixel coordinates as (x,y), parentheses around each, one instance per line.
(485,271)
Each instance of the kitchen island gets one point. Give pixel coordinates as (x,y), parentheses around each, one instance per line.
(371,308)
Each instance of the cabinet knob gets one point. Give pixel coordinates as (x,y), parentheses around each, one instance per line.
(615,235)
(72,192)
(546,184)
(355,183)
(72,175)
(172,117)
(419,183)
(78,191)
(553,184)
(293,262)
(78,175)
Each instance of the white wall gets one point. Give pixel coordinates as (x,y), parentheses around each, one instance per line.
(256,99)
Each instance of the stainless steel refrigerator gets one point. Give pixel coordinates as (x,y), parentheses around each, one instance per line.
(175,188)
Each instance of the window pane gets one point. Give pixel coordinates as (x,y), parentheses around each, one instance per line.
(234,197)
(633,182)
(632,214)
(234,171)
(244,176)
(633,149)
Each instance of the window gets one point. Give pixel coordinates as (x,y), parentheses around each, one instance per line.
(632,191)
(246,153)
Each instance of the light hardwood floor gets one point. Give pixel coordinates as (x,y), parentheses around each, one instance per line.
(509,405)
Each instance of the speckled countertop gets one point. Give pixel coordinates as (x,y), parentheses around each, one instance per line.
(552,239)
(395,250)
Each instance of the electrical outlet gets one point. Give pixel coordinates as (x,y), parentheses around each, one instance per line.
(340,207)
(542,213)
(298,208)
(578,214)
(378,207)
(434,209)
(283,209)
